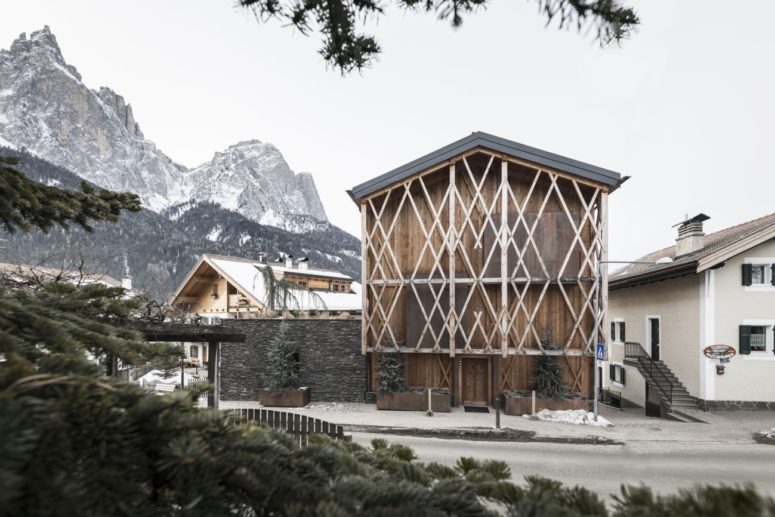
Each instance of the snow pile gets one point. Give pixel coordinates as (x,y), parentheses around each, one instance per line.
(571,416)
(154,377)
(334,407)
(765,437)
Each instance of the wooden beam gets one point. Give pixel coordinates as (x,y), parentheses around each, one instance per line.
(165,332)
(451,251)
(364,279)
(504,229)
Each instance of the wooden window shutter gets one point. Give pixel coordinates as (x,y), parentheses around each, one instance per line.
(747,274)
(612,372)
(623,371)
(745,339)
(624,336)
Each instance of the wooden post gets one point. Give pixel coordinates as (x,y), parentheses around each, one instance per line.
(213,354)
(533,403)
(451,250)
(504,257)
(364,279)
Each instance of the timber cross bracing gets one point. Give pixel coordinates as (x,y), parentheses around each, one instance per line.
(483,254)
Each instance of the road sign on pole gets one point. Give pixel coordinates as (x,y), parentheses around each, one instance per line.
(601,352)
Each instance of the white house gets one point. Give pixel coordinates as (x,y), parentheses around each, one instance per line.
(716,289)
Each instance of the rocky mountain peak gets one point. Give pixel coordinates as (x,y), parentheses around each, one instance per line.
(40,47)
(46,108)
(122,110)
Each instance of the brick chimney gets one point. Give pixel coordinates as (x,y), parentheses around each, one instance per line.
(691,238)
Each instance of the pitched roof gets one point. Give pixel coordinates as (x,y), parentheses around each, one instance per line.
(245,275)
(719,246)
(494,143)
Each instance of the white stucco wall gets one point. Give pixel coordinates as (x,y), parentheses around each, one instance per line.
(746,377)
(676,303)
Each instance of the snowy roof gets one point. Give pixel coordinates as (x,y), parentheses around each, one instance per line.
(26,272)
(247,277)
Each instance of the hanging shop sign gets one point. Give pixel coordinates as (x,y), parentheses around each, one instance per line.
(719,352)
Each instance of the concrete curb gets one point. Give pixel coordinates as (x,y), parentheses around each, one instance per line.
(482,434)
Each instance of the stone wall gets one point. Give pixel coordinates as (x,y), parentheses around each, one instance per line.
(330,360)
(735,405)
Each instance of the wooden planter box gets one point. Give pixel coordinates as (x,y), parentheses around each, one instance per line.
(414,401)
(516,405)
(290,398)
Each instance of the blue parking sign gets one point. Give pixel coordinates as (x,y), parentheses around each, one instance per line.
(600,352)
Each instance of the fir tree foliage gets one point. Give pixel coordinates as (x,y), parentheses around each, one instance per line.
(390,374)
(26,203)
(282,362)
(547,379)
(75,442)
(347,48)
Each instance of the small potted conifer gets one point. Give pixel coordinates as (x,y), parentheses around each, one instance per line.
(283,375)
(551,390)
(393,394)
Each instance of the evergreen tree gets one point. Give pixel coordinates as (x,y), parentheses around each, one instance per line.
(75,442)
(282,362)
(547,371)
(390,374)
(347,49)
(25,203)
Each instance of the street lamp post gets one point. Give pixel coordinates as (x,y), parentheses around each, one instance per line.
(598,380)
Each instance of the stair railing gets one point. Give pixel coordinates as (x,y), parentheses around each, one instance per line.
(635,352)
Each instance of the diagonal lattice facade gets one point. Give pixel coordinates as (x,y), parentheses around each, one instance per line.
(484,255)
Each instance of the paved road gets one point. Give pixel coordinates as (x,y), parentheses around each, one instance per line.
(663,466)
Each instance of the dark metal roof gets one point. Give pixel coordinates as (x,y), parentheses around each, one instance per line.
(494,143)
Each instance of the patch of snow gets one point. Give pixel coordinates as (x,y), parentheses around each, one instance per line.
(214,234)
(154,377)
(768,434)
(243,238)
(53,182)
(333,258)
(6,143)
(571,416)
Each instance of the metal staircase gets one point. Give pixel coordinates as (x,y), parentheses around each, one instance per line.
(674,394)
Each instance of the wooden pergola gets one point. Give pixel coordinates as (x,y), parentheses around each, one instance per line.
(213,335)
(485,248)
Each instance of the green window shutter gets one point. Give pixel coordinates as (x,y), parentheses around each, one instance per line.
(612,371)
(747,274)
(623,371)
(745,339)
(624,336)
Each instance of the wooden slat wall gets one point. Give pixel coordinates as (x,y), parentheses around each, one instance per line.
(515,373)
(419,210)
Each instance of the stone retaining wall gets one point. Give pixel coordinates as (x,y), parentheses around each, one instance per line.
(330,360)
(735,405)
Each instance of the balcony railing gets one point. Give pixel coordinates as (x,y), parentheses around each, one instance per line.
(635,352)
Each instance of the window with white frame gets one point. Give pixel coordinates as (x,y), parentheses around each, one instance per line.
(616,373)
(759,272)
(618,331)
(757,338)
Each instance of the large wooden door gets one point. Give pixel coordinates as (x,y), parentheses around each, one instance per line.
(475,376)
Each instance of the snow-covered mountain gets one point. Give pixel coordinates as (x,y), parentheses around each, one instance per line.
(46,109)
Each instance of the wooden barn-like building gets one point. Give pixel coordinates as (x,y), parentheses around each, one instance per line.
(479,256)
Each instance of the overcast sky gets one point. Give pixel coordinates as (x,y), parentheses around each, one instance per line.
(686,107)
